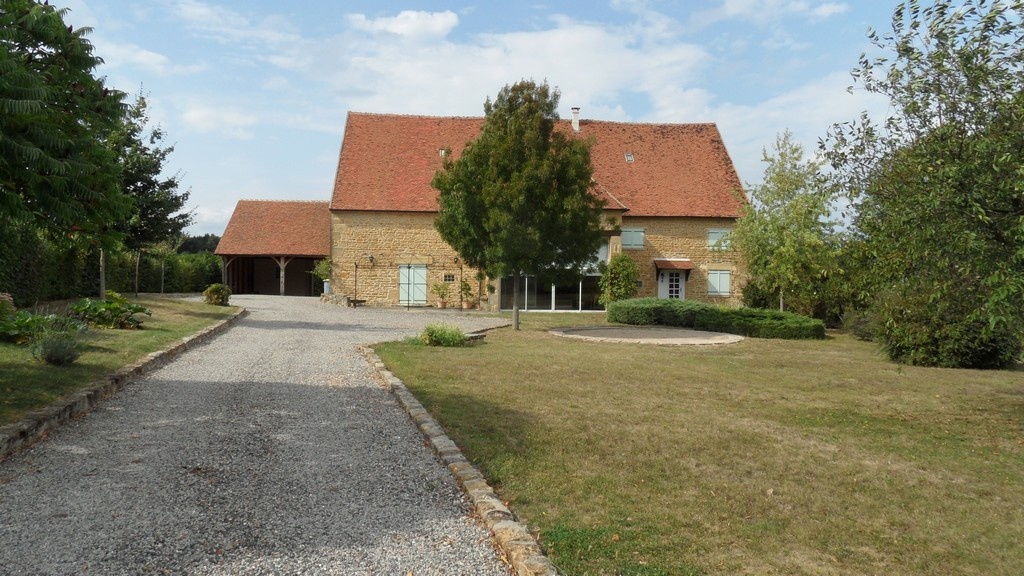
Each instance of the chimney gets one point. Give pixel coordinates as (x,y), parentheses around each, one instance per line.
(576,118)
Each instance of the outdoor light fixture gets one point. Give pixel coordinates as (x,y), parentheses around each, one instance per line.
(371,259)
(456,259)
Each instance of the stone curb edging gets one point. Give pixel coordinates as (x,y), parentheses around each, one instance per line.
(38,424)
(512,537)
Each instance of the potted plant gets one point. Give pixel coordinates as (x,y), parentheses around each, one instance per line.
(322,270)
(466,295)
(442,291)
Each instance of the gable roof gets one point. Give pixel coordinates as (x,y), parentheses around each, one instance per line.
(277,228)
(387,162)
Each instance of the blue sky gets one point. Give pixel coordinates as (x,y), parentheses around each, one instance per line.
(253,94)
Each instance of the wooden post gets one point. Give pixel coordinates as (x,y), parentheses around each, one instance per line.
(282,263)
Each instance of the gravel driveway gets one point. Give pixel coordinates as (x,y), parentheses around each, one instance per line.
(270,450)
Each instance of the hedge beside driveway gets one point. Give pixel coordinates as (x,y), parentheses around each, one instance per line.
(750,322)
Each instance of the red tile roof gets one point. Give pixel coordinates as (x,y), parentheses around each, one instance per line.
(673,264)
(277,228)
(387,163)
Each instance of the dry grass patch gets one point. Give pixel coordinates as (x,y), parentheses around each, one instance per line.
(763,457)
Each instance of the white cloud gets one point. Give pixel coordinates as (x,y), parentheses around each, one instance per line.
(226,121)
(117,55)
(226,26)
(765,11)
(808,111)
(829,9)
(595,66)
(409,23)
(211,218)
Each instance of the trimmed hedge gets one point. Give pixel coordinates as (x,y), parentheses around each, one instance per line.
(752,322)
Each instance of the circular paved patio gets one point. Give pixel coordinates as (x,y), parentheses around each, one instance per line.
(661,335)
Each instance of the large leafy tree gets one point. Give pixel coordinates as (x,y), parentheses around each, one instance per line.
(939,185)
(157,213)
(786,234)
(55,170)
(519,199)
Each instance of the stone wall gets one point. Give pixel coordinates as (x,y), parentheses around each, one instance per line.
(685,238)
(396,238)
(392,239)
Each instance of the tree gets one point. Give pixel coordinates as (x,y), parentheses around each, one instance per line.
(619,279)
(204,243)
(156,214)
(157,205)
(519,200)
(786,234)
(938,187)
(55,171)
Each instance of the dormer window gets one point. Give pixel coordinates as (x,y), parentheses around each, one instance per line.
(629,157)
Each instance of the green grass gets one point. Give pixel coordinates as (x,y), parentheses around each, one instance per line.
(27,385)
(763,457)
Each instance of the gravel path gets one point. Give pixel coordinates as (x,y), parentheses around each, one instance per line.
(270,450)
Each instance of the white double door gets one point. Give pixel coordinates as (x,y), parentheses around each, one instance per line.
(412,284)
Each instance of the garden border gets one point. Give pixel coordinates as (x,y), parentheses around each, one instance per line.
(37,425)
(514,538)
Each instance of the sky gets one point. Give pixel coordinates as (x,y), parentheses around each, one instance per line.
(254,94)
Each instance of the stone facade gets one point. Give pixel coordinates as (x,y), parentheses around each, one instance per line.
(670,238)
(394,239)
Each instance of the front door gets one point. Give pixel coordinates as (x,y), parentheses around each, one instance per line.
(412,284)
(671,284)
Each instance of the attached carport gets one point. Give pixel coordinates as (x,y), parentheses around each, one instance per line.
(270,247)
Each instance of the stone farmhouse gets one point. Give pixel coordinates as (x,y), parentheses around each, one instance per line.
(671,191)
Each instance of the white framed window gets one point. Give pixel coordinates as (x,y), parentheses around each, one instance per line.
(632,238)
(718,282)
(718,239)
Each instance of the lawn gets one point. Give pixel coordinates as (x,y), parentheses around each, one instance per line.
(763,457)
(26,384)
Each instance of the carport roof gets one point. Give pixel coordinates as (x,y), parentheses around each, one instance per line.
(277,228)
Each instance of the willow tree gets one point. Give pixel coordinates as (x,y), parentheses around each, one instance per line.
(519,199)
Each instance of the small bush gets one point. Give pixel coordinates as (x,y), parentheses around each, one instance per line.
(56,348)
(21,327)
(619,279)
(691,314)
(114,312)
(217,294)
(443,335)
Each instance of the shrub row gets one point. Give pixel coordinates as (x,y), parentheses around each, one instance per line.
(35,269)
(752,322)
